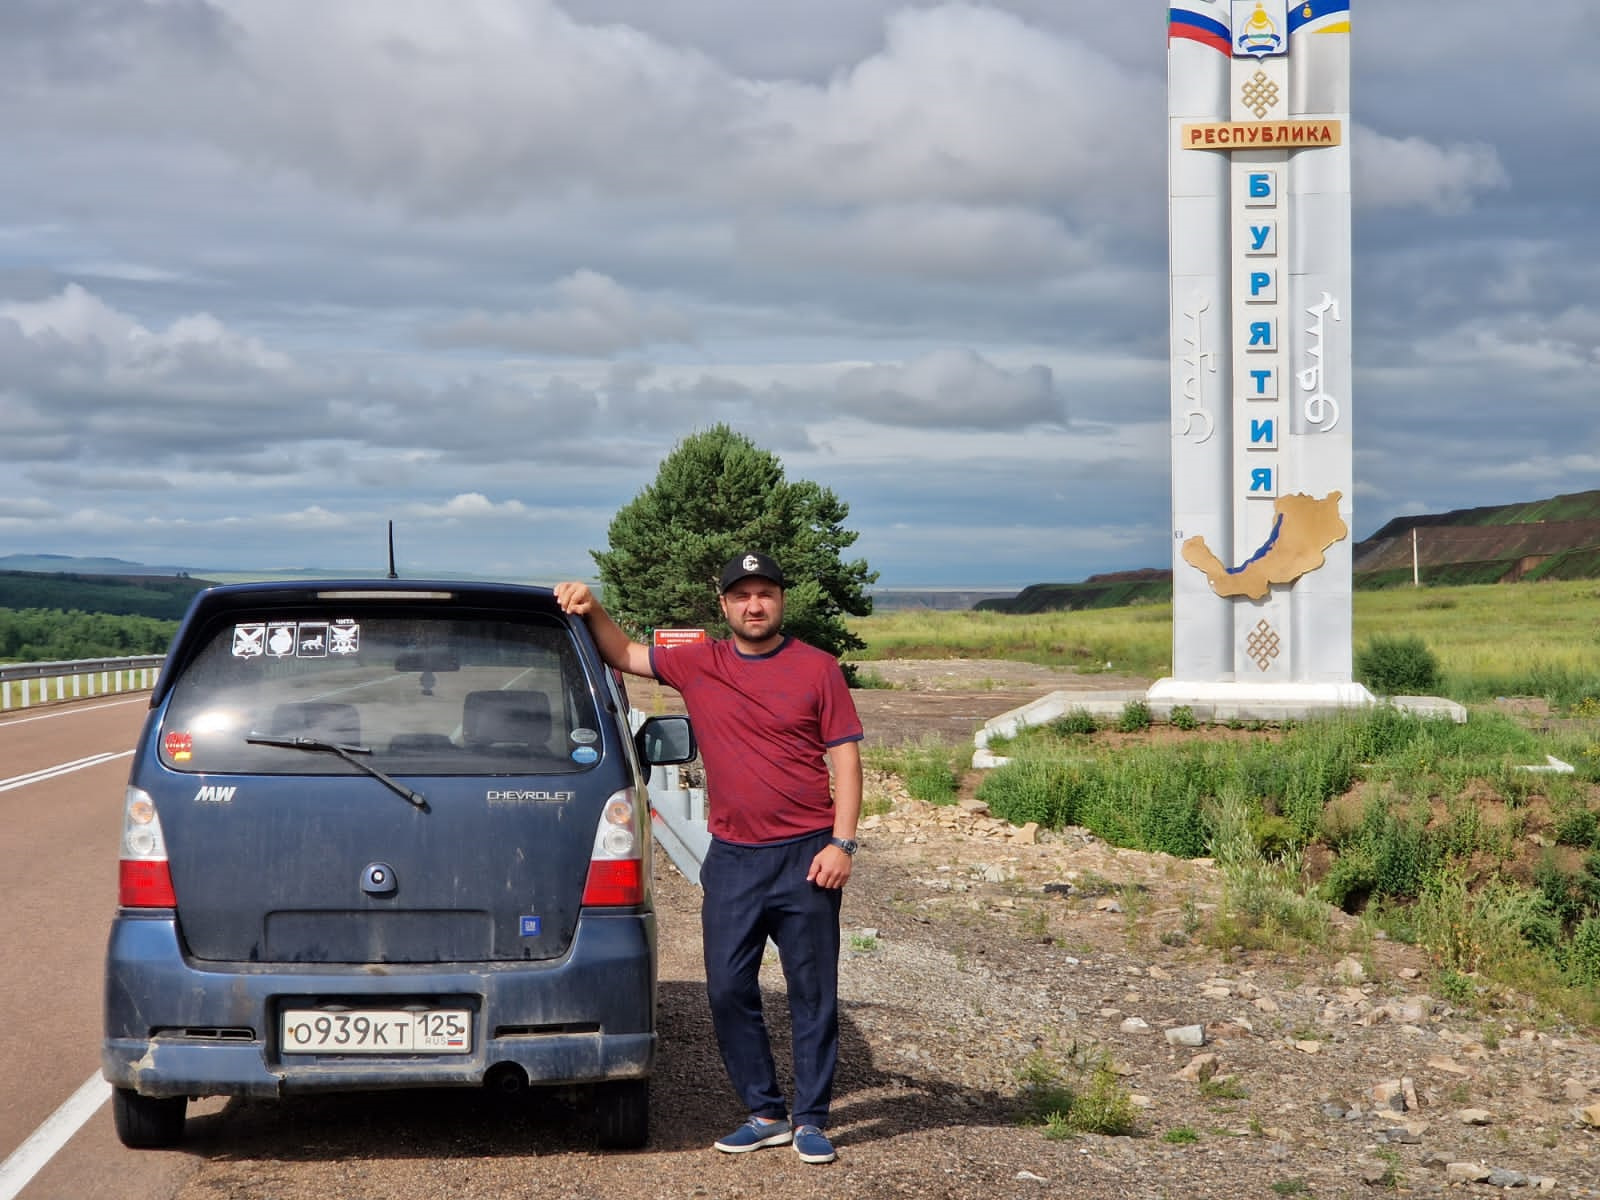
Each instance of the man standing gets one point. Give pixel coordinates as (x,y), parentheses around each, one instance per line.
(772,715)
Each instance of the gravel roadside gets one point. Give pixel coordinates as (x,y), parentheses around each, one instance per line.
(971,955)
(977,954)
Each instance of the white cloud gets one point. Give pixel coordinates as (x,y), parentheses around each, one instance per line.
(1411,172)
(595,316)
(951,389)
(77,318)
(946,242)
(967,103)
(469,505)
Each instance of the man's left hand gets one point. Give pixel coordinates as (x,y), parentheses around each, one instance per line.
(830,868)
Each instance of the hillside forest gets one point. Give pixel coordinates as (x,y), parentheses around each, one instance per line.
(59,617)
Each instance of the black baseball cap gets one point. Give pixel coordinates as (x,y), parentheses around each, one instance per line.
(741,566)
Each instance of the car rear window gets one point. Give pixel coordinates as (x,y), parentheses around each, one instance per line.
(410,694)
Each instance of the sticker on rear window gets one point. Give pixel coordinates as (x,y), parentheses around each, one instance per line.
(530,926)
(249,641)
(296,639)
(585,754)
(344,636)
(180,746)
(584,737)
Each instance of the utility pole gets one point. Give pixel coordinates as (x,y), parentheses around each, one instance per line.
(1416,580)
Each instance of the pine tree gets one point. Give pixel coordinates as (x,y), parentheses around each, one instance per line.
(716,495)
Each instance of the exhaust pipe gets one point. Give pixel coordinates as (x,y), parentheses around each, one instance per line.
(507,1079)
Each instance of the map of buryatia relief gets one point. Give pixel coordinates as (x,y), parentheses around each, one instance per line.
(1302,530)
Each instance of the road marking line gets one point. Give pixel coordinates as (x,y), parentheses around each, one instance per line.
(28,1159)
(39,776)
(69,710)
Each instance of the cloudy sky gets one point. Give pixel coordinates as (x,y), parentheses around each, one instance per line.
(274,272)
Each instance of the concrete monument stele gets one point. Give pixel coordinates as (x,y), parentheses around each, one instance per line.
(1259,224)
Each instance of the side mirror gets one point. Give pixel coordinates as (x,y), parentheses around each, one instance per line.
(663,741)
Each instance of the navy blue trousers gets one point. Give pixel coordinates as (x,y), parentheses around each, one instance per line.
(752,893)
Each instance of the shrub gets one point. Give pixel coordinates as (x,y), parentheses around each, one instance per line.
(1135,717)
(1583,957)
(1350,880)
(1382,731)
(1078,721)
(1404,857)
(928,768)
(1397,666)
(1183,718)
(932,782)
(1579,827)
(1275,836)
(1031,790)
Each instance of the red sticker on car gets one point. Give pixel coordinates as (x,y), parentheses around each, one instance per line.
(180,746)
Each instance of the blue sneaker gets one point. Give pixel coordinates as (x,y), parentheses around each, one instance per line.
(755,1134)
(812,1145)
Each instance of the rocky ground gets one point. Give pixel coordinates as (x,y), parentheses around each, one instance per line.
(980,957)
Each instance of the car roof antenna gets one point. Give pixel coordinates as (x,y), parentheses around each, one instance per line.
(392,575)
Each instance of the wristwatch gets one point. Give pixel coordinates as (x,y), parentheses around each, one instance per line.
(848,845)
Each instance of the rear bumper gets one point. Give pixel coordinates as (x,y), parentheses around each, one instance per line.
(178,1027)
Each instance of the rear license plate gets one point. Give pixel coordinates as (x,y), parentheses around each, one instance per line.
(376,1031)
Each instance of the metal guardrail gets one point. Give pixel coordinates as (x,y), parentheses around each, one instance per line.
(677,814)
(24,685)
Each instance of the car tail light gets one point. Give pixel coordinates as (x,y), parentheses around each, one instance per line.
(616,865)
(144,878)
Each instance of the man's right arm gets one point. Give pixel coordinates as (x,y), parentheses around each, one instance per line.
(615,646)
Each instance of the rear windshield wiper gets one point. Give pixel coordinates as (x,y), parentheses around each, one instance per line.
(348,753)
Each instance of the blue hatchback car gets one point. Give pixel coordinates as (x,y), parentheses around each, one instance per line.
(385,834)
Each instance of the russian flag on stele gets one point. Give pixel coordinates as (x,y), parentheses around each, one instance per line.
(1200,25)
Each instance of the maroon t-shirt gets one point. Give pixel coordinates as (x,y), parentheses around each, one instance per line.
(764,723)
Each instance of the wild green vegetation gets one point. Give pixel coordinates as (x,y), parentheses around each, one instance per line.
(47,635)
(1437,834)
(1135,641)
(162,596)
(1080,1095)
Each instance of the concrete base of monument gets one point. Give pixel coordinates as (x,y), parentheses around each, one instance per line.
(1210,702)
(1246,700)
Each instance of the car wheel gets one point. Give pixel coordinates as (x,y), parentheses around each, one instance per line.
(147,1122)
(622,1114)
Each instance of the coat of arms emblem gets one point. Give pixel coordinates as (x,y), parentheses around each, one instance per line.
(1260,28)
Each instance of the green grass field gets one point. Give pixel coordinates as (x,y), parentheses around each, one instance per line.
(1529,639)
(1434,833)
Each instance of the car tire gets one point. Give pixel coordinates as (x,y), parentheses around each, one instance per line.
(622,1114)
(148,1122)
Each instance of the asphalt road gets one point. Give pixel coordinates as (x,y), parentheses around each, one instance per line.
(60,817)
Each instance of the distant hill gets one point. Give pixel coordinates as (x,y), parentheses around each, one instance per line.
(1557,538)
(937,599)
(1115,589)
(55,563)
(162,596)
